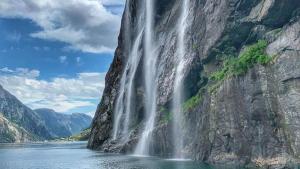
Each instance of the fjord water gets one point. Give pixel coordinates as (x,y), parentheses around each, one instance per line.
(76,156)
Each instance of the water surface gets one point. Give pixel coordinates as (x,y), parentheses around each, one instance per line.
(76,156)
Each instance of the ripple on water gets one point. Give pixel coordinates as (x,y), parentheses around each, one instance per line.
(76,156)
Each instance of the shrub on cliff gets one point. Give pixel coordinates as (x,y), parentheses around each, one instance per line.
(254,54)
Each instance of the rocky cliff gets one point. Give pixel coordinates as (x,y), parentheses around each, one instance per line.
(22,117)
(12,133)
(241,82)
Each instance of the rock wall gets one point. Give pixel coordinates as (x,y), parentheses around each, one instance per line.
(250,118)
(12,133)
(22,116)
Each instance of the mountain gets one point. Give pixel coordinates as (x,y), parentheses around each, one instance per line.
(63,125)
(18,123)
(21,119)
(12,133)
(214,81)
(82,136)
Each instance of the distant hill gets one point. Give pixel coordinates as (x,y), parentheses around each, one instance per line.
(16,115)
(12,133)
(63,125)
(18,123)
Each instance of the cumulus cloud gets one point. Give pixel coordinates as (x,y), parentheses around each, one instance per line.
(85,25)
(60,94)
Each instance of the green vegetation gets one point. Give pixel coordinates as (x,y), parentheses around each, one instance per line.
(232,66)
(167,116)
(83,136)
(193,101)
(254,54)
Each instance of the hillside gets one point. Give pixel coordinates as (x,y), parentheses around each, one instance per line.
(63,125)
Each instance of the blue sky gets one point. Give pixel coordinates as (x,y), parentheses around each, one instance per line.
(54,54)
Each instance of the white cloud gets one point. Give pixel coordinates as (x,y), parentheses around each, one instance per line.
(60,94)
(20,72)
(63,59)
(6,70)
(14,37)
(78,59)
(85,25)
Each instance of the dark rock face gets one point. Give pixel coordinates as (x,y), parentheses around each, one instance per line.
(63,125)
(250,118)
(22,116)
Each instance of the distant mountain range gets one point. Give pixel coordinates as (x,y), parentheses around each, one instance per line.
(63,125)
(18,123)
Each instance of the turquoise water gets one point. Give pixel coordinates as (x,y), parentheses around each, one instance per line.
(76,156)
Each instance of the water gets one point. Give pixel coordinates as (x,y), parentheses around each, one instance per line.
(119,107)
(150,74)
(124,99)
(134,61)
(178,84)
(76,156)
(118,111)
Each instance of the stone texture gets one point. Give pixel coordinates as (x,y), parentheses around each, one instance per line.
(251,118)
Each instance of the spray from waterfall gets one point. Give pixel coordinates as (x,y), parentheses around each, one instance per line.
(178,83)
(150,74)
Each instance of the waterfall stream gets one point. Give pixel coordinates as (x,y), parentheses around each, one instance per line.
(127,83)
(123,108)
(124,100)
(150,74)
(178,83)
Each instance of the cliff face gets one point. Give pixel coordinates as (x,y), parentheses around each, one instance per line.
(12,133)
(21,116)
(249,117)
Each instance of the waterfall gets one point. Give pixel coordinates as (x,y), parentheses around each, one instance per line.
(124,99)
(122,127)
(118,111)
(134,62)
(178,83)
(150,75)
(119,106)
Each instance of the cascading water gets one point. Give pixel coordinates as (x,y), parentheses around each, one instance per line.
(118,111)
(178,83)
(150,74)
(135,60)
(124,100)
(119,107)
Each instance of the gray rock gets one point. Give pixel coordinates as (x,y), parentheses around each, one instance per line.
(252,118)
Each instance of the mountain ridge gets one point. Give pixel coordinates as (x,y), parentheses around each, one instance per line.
(64,125)
(19,123)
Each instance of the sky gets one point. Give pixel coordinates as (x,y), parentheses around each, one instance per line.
(55,54)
